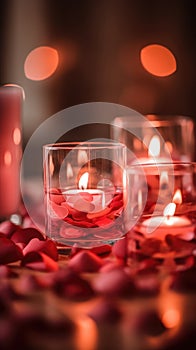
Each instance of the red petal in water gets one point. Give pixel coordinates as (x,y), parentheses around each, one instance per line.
(86,196)
(60,211)
(98,214)
(57,198)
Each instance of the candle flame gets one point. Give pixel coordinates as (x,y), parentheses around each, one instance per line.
(69,171)
(177,198)
(82,157)
(154,147)
(51,165)
(169,210)
(83,182)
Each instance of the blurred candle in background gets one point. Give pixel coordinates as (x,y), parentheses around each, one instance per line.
(10,149)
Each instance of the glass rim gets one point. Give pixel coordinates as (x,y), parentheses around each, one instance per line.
(157,120)
(157,164)
(84,145)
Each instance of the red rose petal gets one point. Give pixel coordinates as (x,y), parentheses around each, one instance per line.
(57,198)
(119,248)
(115,283)
(9,252)
(84,206)
(8,228)
(98,214)
(105,311)
(70,232)
(86,196)
(39,261)
(104,222)
(85,261)
(26,234)
(180,245)
(70,285)
(151,246)
(58,211)
(47,247)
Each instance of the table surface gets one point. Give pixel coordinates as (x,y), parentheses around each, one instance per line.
(43,318)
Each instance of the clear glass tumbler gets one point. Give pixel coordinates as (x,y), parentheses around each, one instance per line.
(155,137)
(162,198)
(83,185)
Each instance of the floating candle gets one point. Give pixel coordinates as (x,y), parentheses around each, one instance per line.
(160,226)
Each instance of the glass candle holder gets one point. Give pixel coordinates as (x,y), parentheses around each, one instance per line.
(155,138)
(83,185)
(162,198)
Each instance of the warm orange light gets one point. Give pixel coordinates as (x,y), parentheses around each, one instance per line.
(154,147)
(17,136)
(158,60)
(41,63)
(7,158)
(177,198)
(83,182)
(86,334)
(171,318)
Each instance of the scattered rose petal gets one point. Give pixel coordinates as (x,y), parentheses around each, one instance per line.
(180,245)
(147,285)
(151,246)
(119,248)
(8,228)
(184,281)
(85,261)
(105,311)
(70,285)
(39,261)
(9,252)
(148,323)
(47,247)
(6,272)
(26,234)
(115,283)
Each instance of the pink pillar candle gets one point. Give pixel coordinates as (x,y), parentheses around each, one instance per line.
(10,149)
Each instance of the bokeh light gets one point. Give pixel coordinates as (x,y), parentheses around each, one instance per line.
(171,318)
(41,63)
(158,60)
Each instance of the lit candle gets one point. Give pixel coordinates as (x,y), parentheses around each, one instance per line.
(154,151)
(159,226)
(10,150)
(83,198)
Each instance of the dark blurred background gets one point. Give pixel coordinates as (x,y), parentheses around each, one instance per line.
(99,45)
